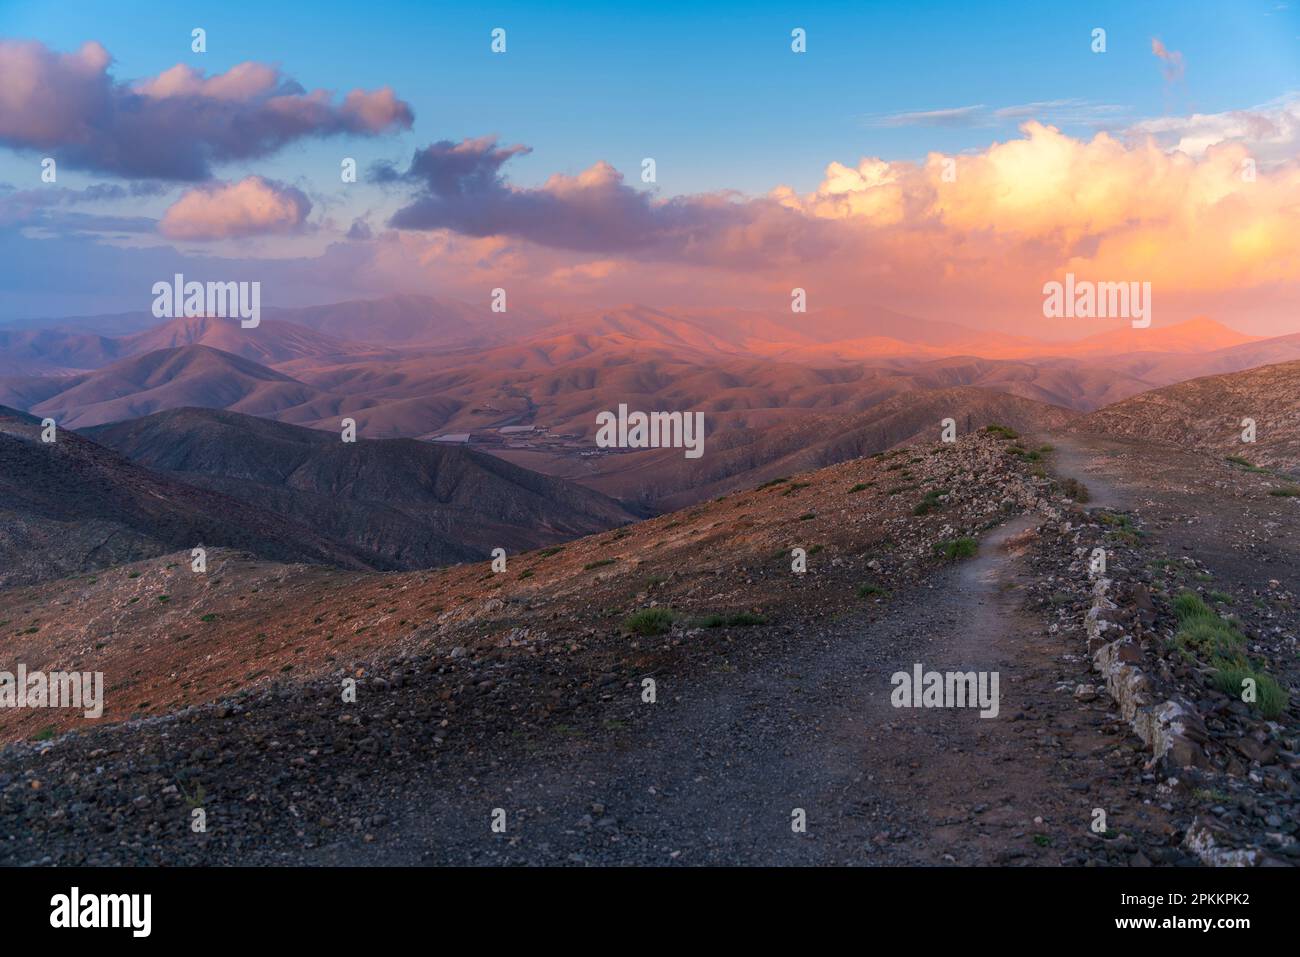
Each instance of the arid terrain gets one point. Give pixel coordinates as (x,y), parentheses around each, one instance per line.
(523,689)
(637,656)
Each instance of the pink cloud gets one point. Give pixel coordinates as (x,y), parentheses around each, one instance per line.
(253,206)
(459,186)
(175,125)
(972,236)
(1174,65)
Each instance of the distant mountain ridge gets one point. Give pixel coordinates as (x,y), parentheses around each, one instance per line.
(741,458)
(403,503)
(166,378)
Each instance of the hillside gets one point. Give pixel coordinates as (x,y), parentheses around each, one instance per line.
(406,504)
(270,342)
(738,457)
(1207,414)
(191,375)
(74,506)
(773,684)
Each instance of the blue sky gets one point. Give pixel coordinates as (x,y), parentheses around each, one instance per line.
(712,92)
(714,95)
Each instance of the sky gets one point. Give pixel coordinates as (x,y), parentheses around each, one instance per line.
(773,169)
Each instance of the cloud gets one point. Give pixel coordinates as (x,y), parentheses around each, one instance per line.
(252,207)
(955,116)
(974,235)
(1060,112)
(459,187)
(174,126)
(1174,65)
(1271,131)
(970,238)
(1036,206)
(47,207)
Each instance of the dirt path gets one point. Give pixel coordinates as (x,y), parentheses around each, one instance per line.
(711,773)
(1079,458)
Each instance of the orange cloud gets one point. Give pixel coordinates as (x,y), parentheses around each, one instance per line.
(971,237)
(1101,205)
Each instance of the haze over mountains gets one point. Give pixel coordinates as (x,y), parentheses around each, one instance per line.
(779,391)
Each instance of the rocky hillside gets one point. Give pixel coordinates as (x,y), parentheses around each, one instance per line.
(404,503)
(248,621)
(799,442)
(1207,414)
(74,506)
(523,688)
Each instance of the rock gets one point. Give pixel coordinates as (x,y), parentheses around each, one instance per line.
(1253,750)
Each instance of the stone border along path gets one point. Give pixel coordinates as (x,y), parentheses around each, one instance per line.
(1170,726)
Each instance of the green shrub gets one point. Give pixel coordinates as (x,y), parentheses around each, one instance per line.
(1270,699)
(1076,490)
(930,502)
(738,620)
(1211,637)
(1188,605)
(964,547)
(649,621)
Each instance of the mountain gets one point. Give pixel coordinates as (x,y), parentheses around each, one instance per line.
(73,506)
(404,503)
(1207,413)
(269,342)
(409,320)
(743,457)
(64,351)
(1195,335)
(1162,369)
(168,378)
(27,352)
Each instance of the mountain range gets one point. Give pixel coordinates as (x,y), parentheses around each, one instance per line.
(191,477)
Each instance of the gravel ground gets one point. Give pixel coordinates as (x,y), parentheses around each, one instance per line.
(748,726)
